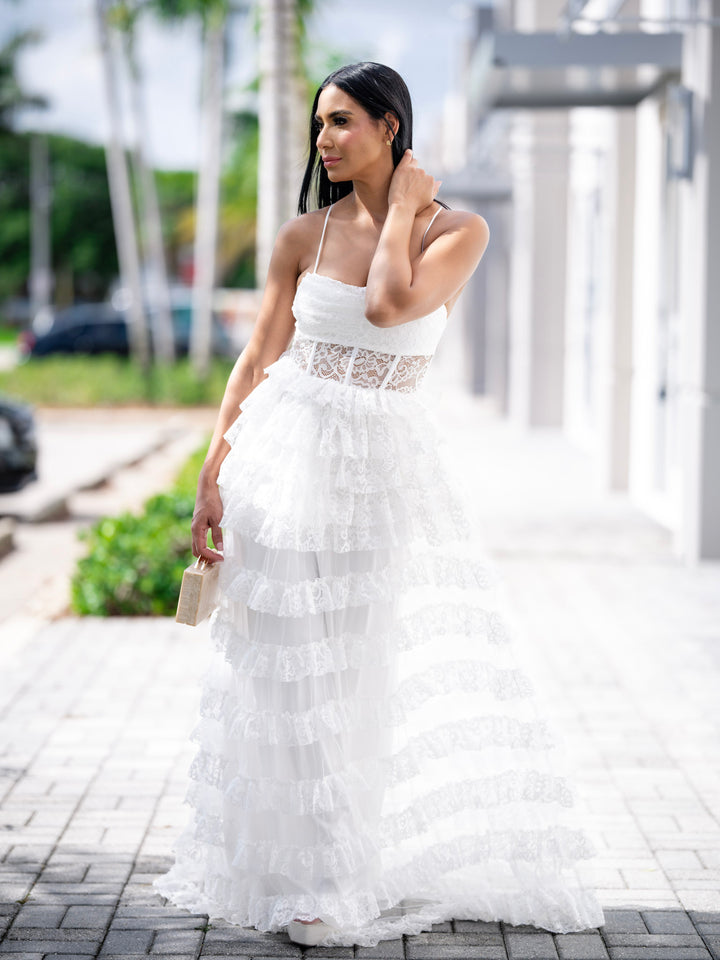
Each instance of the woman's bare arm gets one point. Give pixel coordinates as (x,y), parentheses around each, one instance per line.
(399,288)
(270,336)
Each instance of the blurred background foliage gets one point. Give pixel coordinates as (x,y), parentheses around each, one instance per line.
(83,242)
(12,96)
(84,259)
(108,380)
(135,562)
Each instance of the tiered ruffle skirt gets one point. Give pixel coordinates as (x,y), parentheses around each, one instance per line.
(368,751)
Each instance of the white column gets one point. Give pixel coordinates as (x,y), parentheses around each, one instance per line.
(589,256)
(617,440)
(699,536)
(646,306)
(598,349)
(540,168)
(496,346)
(521,254)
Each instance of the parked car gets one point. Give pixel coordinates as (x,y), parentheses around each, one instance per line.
(83,328)
(18,445)
(93,328)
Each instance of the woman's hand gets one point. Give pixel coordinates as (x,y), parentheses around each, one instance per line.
(207,515)
(410,186)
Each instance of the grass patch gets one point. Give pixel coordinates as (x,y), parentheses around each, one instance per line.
(135,562)
(108,380)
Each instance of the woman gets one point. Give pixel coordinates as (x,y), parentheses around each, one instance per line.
(370,758)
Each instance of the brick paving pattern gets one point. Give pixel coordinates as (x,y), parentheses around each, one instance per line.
(623,641)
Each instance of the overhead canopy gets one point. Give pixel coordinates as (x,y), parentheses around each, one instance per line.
(478,184)
(551,70)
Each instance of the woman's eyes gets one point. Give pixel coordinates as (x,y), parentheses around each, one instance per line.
(340,121)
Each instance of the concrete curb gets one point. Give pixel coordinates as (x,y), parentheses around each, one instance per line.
(43,503)
(7,534)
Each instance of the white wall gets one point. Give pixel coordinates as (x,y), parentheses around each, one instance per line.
(646,307)
(699,393)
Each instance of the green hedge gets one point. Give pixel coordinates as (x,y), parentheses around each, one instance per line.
(134,563)
(107,380)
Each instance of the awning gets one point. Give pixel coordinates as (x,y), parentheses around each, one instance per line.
(480,184)
(551,70)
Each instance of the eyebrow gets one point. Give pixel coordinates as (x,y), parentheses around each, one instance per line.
(337,113)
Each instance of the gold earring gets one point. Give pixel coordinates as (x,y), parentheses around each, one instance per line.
(389,142)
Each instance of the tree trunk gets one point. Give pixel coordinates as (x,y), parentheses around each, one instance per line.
(283,125)
(208,197)
(40,255)
(121,201)
(158,291)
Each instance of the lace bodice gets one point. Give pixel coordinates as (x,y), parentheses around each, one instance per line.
(334,339)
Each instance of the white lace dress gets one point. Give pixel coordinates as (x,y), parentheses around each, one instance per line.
(368,750)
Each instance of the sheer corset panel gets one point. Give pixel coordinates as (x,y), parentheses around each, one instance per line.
(357,365)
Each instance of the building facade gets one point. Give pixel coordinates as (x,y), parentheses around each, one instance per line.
(601,291)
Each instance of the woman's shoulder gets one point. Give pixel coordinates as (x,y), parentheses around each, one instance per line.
(298,235)
(448,220)
(302,227)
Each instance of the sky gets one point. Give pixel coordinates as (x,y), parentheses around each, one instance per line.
(422,39)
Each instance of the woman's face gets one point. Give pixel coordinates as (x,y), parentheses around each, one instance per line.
(348,140)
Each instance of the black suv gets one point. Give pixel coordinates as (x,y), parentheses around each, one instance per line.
(93,328)
(18,445)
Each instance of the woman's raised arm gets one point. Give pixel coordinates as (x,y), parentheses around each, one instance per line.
(399,288)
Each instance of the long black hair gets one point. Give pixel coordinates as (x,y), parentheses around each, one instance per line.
(379,90)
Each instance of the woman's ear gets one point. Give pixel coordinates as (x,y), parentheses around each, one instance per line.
(393,122)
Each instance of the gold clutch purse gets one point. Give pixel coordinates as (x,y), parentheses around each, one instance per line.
(198,592)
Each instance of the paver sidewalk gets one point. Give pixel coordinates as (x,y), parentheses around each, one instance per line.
(624,643)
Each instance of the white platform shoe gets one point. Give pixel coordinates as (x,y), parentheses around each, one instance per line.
(308,934)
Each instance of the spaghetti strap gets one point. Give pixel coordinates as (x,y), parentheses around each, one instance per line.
(422,245)
(322,238)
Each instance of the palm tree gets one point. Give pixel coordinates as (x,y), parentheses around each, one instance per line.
(41,277)
(208,197)
(120,198)
(213,16)
(282,136)
(123,15)
(13,99)
(282,110)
